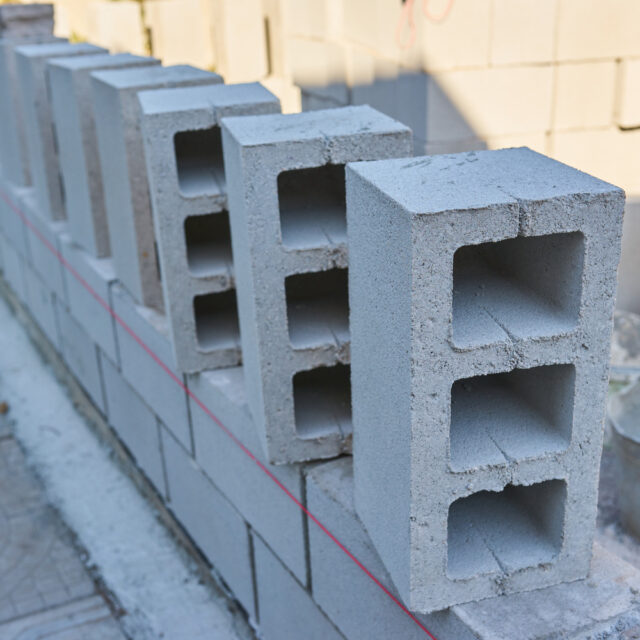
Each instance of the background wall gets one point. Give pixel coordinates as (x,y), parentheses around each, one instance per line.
(560,76)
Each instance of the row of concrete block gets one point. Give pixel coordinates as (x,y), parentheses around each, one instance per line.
(463,338)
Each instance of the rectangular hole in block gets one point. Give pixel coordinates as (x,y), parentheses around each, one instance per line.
(216,316)
(312,207)
(199,162)
(318,308)
(208,240)
(498,418)
(522,287)
(322,401)
(506,531)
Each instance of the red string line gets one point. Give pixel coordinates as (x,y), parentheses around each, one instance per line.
(407,20)
(107,307)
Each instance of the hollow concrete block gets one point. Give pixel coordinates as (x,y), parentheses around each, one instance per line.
(72,105)
(183,148)
(285,184)
(31,63)
(481,294)
(124,173)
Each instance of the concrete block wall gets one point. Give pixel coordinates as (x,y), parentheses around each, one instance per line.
(183,146)
(489,310)
(289,577)
(285,180)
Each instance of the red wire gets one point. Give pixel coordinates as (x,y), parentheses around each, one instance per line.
(105,305)
(406,16)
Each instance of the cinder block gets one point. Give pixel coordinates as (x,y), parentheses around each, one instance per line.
(124,173)
(150,381)
(134,422)
(260,501)
(72,106)
(211,521)
(31,61)
(584,95)
(13,269)
(11,222)
(481,324)
(183,147)
(489,102)
(628,107)
(353,602)
(285,182)
(14,160)
(582,34)
(81,355)
(42,305)
(522,31)
(97,275)
(286,609)
(26,21)
(603,602)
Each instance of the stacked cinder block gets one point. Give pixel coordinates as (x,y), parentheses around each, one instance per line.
(183,146)
(481,294)
(72,104)
(285,183)
(124,172)
(19,24)
(31,61)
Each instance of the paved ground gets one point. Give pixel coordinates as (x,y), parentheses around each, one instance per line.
(45,590)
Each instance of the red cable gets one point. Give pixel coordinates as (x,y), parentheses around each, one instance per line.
(105,305)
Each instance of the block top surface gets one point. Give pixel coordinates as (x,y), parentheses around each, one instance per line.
(102,60)
(204,97)
(476,179)
(143,77)
(309,125)
(49,49)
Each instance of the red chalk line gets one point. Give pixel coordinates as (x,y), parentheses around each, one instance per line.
(105,305)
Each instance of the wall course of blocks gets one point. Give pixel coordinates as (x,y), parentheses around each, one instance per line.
(42,305)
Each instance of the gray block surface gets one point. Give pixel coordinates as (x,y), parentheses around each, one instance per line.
(25,21)
(42,305)
(481,294)
(72,105)
(183,148)
(285,183)
(124,173)
(31,61)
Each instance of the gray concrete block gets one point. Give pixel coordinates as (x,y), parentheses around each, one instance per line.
(25,21)
(14,158)
(286,609)
(12,224)
(31,61)
(260,501)
(211,521)
(183,147)
(72,105)
(134,422)
(482,324)
(42,305)
(150,381)
(81,355)
(43,244)
(13,269)
(285,183)
(124,172)
(98,275)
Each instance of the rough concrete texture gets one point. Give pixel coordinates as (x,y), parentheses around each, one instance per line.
(286,609)
(13,269)
(140,369)
(72,104)
(31,64)
(14,159)
(183,146)
(211,520)
(285,183)
(482,320)
(124,173)
(41,303)
(26,21)
(98,274)
(12,225)
(262,503)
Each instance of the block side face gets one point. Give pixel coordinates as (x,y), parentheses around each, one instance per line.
(378,233)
